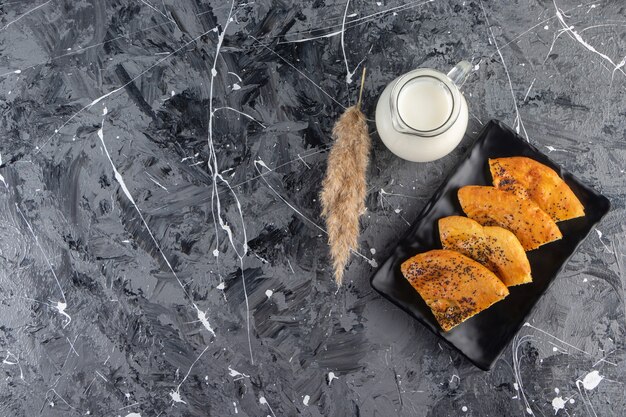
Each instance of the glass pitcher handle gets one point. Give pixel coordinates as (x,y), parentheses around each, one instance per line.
(459,73)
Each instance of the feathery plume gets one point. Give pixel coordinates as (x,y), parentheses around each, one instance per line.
(345,186)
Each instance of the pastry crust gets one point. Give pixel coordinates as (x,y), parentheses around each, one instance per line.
(492,246)
(530,179)
(454,286)
(492,207)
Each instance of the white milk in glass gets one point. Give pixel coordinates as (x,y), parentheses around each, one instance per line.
(424,103)
(422,115)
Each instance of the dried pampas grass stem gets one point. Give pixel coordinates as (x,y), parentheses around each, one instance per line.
(345,185)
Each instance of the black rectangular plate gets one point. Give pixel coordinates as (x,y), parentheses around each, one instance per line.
(483,337)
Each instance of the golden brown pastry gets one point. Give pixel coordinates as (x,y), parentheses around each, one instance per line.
(531,179)
(492,246)
(492,207)
(454,286)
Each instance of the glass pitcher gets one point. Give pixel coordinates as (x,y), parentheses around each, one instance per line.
(422,115)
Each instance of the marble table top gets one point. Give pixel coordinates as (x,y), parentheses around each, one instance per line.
(161,247)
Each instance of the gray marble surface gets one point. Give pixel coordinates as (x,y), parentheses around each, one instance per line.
(161,249)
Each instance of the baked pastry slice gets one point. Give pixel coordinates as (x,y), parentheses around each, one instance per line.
(492,246)
(535,181)
(493,207)
(454,286)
